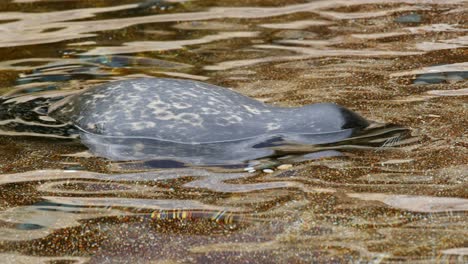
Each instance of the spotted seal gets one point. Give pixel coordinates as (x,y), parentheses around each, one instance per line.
(195,122)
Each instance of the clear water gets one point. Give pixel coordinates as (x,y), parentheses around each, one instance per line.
(396,61)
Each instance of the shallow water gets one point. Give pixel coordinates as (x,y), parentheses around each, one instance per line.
(397,61)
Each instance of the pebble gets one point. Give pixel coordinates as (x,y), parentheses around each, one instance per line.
(268,170)
(284,166)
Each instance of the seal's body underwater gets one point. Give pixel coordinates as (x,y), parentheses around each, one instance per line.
(194,122)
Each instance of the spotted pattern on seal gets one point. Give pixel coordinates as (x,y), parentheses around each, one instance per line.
(192,112)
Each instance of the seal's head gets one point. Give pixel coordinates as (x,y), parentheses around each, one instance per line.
(331,117)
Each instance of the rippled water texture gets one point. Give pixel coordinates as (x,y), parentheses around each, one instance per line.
(392,61)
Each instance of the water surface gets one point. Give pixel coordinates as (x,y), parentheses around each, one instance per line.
(397,61)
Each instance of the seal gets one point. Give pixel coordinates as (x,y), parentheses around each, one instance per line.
(194,122)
